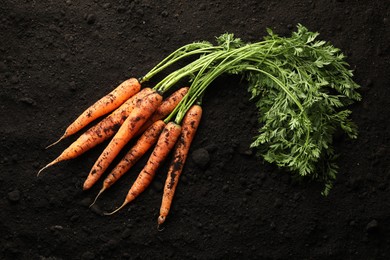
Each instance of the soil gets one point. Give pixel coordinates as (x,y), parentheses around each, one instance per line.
(57,57)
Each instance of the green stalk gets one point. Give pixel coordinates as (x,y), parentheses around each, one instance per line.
(183,105)
(203,80)
(176,56)
(188,70)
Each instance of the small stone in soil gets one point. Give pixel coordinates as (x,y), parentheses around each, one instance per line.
(14,196)
(225,188)
(14,79)
(126,233)
(106,5)
(201,157)
(372,226)
(28,101)
(88,255)
(91,18)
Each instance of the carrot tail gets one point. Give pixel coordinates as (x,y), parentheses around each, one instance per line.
(56,142)
(115,211)
(58,159)
(97,196)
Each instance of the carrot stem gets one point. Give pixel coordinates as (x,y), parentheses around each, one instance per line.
(181,53)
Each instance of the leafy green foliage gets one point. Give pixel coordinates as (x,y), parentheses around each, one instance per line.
(301,86)
(297,131)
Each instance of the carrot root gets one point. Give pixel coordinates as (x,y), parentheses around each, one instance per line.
(160,221)
(97,196)
(56,142)
(115,211)
(47,166)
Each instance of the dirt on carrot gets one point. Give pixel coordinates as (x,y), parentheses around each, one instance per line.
(100,132)
(143,144)
(103,106)
(143,110)
(190,124)
(164,145)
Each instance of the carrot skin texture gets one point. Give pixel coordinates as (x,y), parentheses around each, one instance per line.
(146,140)
(190,124)
(164,145)
(141,112)
(99,132)
(166,107)
(104,129)
(105,105)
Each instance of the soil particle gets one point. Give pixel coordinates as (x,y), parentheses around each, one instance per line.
(14,196)
(86,202)
(28,101)
(91,18)
(372,226)
(3,67)
(106,5)
(96,209)
(201,157)
(87,255)
(157,186)
(126,233)
(14,79)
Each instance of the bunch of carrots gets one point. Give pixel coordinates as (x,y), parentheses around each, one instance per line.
(134,113)
(168,125)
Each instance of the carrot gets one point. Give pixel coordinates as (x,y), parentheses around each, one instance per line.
(190,124)
(147,139)
(101,131)
(164,145)
(166,107)
(103,106)
(142,111)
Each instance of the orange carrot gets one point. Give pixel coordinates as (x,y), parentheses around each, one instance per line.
(166,107)
(101,131)
(190,124)
(164,145)
(147,139)
(142,111)
(103,106)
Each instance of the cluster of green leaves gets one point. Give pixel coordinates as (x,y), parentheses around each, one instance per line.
(302,92)
(301,86)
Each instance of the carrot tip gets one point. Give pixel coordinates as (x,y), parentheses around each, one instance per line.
(113,212)
(97,196)
(159,229)
(50,164)
(56,142)
(160,221)
(87,185)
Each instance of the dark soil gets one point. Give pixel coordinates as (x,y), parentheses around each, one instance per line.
(57,57)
